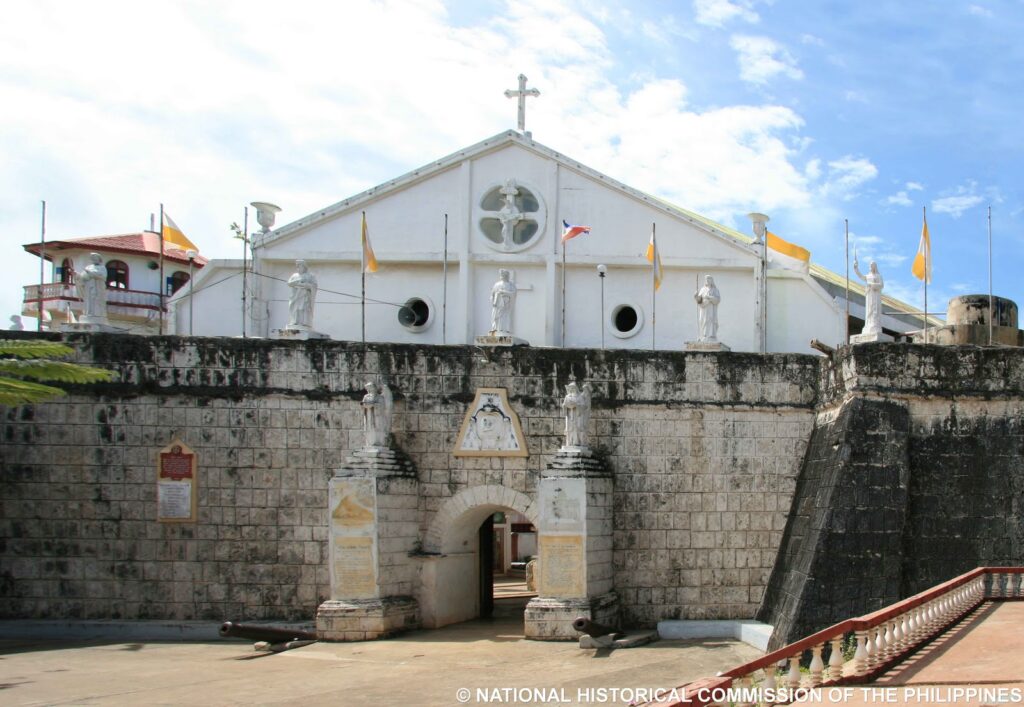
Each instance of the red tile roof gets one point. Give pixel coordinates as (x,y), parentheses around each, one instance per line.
(144,243)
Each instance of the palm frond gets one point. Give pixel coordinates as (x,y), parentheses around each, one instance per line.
(33,348)
(59,371)
(21,392)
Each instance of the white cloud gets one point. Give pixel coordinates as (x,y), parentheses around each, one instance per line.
(812,40)
(301,119)
(980,11)
(963,199)
(847,174)
(955,206)
(915,186)
(900,198)
(716,13)
(761,59)
(855,96)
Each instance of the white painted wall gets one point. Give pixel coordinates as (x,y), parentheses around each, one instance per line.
(406,222)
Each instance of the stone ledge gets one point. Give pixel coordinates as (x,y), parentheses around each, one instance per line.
(753,633)
(366,619)
(550,618)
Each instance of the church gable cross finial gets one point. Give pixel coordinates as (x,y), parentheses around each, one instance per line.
(521,94)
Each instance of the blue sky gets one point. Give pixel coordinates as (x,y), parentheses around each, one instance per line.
(809,112)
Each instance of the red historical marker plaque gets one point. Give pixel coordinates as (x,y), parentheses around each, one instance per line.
(176,484)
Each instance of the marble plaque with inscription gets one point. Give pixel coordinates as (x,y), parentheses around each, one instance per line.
(562,569)
(355,569)
(174,500)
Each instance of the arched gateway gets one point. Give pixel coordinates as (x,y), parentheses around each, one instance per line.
(386,577)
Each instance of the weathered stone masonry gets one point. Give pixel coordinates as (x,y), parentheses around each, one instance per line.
(704,451)
(901,464)
(913,476)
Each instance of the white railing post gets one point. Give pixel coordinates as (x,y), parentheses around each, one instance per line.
(861,656)
(835,659)
(793,676)
(817,666)
(768,684)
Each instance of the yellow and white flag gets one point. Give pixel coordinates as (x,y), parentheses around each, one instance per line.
(786,255)
(922,267)
(369,259)
(654,257)
(173,235)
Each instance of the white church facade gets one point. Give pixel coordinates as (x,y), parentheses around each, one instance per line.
(442,233)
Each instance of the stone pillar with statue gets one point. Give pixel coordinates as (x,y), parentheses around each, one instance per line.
(91,288)
(574,570)
(372,502)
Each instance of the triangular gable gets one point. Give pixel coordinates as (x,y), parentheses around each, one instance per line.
(723,233)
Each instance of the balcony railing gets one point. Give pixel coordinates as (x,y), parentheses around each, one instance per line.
(59,292)
(882,639)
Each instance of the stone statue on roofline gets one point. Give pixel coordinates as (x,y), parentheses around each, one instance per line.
(503,300)
(873,285)
(303,297)
(707,299)
(92,289)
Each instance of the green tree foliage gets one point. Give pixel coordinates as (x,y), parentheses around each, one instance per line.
(25,362)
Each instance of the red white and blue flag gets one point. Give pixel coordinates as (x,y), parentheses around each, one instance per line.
(570,231)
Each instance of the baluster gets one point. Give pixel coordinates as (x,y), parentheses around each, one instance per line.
(793,677)
(862,658)
(907,629)
(878,655)
(746,684)
(817,665)
(1017,590)
(835,659)
(768,685)
(897,636)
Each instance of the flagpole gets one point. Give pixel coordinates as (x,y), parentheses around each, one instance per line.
(927,270)
(654,286)
(162,286)
(363,273)
(42,266)
(991,311)
(846,340)
(563,293)
(444,287)
(245,264)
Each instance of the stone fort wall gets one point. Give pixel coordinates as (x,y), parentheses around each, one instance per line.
(704,449)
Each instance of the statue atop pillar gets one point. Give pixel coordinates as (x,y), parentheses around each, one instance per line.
(576,406)
(378,406)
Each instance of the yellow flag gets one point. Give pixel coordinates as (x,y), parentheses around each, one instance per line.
(173,235)
(786,248)
(654,257)
(922,267)
(369,259)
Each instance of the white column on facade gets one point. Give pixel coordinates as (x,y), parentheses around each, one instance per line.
(459,245)
(760,224)
(552,276)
